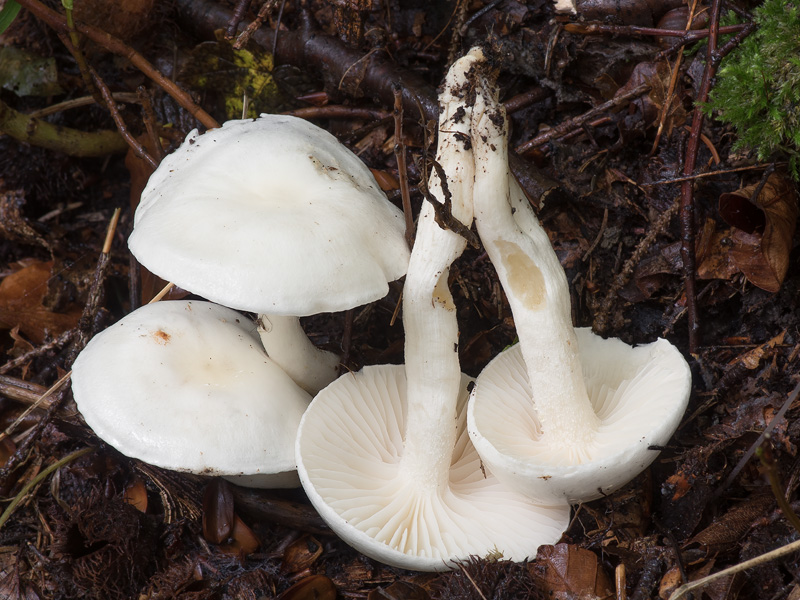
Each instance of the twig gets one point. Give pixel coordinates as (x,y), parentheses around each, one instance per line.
(37,404)
(601,318)
(335,111)
(685,36)
(134,144)
(712,174)
(86,323)
(748,564)
(238,14)
(472,581)
(38,479)
(72,142)
(692,146)
(751,450)
(402,169)
(577,122)
(764,453)
(77,103)
(150,121)
(22,359)
(251,28)
(442,210)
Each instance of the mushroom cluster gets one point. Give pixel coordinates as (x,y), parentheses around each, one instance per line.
(275,217)
(270,215)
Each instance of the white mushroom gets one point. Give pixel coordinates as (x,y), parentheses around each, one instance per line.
(187,386)
(564,415)
(274,216)
(383,454)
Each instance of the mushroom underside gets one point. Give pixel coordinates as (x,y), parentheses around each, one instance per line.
(638,393)
(350,447)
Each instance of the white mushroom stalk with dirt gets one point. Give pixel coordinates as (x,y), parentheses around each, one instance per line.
(564,415)
(383,453)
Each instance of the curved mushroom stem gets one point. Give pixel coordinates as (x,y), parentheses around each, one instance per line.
(532,278)
(433,372)
(289,347)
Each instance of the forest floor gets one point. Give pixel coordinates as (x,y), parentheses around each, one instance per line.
(603,135)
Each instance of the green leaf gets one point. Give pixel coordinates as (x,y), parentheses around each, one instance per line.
(8,13)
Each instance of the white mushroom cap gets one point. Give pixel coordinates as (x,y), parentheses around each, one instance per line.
(349,447)
(271,215)
(187,386)
(639,395)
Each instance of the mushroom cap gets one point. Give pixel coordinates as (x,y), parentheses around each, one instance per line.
(270,215)
(349,450)
(639,394)
(187,386)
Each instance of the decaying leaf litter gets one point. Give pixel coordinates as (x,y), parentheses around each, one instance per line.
(620,119)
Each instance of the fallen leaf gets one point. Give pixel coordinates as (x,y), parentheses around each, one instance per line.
(762,238)
(734,524)
(568,572)
(21,297)
(316,587)
(301,554)
(218,516)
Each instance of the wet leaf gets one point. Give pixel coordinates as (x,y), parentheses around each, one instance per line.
(761,244)
(218,516)
(136,495)
(732,526)
(316,587)
(399,590)
(301,554)
(568,572)
(26,74)
(21,297)
(242,540)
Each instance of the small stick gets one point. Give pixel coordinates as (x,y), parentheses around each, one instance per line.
(402,168)
(38,479)
(753,562)
(37,404)
(619,577)
(22,359)
(164,291)
(77,103)
(251,28)
(764,453)
(685,36)
(336,111)
(236,18)
(472,581)
(137,148)
(86,323)
(150,121)
(577,122)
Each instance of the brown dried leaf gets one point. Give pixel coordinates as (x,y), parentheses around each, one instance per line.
(762,257)
(136,495)
(399,590)
(732,526)
(301,554)
(218,516)
(21,296)
(752,358)
(243,540)
(713,253)
(316,587)
(570,573)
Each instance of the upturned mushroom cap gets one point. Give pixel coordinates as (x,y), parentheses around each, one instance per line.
(270,215)
(639,395)
(187,386)
(349,447)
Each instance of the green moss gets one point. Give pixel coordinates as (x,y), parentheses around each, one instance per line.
(758,86)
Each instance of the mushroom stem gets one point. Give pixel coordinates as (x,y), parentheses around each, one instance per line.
(289,347)
(432,367)
(533,280)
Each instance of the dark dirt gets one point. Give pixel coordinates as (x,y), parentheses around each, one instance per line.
(104,526)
